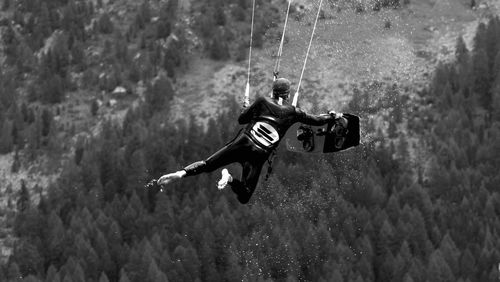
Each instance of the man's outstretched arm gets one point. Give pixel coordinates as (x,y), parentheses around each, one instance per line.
(317,120)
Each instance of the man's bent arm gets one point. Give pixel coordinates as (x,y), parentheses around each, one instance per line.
(247,113)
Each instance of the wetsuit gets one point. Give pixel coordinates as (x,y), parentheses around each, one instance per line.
(266,124)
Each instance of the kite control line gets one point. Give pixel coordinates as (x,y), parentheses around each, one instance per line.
(246,100)
(280,49)
(296,96)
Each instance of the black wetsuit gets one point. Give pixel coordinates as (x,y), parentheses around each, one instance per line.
(266,124)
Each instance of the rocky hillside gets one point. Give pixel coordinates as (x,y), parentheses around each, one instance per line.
(399,46)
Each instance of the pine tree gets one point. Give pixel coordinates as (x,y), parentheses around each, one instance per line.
(206,24)
(480,38)
(392,130)
(6,139)
(418,238)
(52,274)
(446,97)
(219,15)
(123,276)
(365,268)
(144,15)
(208,267)
(234,271)
(467,264)
(85,252)
(103,277)
(218,48)
(159,93)
(56,241)
(72,271)
(461,52)
(400,268)
(104,24)
(417,270)
(121,52)
(28,258)
(393,208)
(5,5)
(385,272)
(164,25)
(450,253)
(24,201)
(337,276)
(133,268)
(46,121)
(43,26)
(78,57)
(438,269)
(60,55)
(52,89)
(385,242)
(13,272)
(136,170)
(408,278)
(238,12)
(492,40)
(481,74)
(154,274)
(495,89)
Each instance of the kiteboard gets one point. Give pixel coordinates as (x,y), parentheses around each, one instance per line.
(304,138)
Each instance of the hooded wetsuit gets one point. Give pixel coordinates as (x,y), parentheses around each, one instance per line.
(266,124)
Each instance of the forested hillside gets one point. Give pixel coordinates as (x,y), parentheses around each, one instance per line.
(417,201)
(68,67)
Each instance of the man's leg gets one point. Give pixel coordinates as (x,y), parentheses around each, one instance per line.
(225,179)
(249,179)
(226,155)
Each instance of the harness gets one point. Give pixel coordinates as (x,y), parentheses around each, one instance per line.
(264,134)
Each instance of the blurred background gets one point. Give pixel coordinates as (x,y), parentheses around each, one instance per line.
(97,97)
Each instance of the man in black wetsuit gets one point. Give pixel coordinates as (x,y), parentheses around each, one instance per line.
(267,120)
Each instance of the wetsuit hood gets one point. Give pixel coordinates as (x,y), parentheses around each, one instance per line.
(281,88)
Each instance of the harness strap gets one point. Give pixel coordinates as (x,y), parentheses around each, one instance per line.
(270,164)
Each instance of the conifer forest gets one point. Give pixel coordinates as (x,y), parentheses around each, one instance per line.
(417,201)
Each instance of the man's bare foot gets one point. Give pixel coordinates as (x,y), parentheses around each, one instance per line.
(225,179)
(167,178)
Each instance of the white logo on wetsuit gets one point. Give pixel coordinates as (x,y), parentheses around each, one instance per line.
(265,134)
